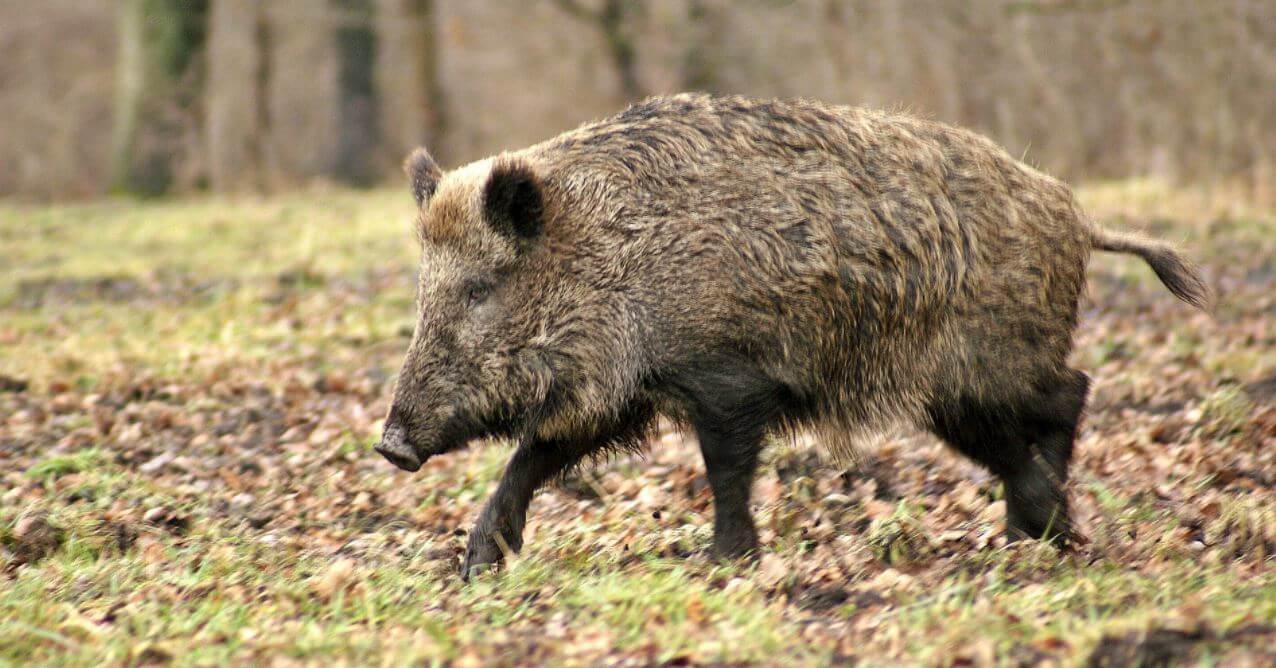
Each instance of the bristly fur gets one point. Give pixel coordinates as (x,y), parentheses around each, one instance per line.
(750,267)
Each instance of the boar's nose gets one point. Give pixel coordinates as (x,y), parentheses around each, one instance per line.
(394,447)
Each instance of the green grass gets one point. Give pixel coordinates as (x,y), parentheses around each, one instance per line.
(206,376)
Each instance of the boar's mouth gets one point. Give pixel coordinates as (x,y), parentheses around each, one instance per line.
(400,456)
(394,447)
(411,452)
(407,442)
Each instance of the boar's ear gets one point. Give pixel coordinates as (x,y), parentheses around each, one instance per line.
(423,173)
(512,202)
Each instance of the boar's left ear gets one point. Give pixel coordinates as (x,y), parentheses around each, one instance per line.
(423,173)
(512,201)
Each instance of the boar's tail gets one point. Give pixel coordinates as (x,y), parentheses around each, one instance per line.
(1178,273)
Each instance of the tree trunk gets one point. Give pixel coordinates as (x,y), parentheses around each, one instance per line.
(703,48)
(301,100)
(158,78)
(237,66)
(358,126)
(412,99)
(614,19)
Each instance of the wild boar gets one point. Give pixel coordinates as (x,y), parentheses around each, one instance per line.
(744,268)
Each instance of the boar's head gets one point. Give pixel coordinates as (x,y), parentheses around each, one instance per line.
(494,310)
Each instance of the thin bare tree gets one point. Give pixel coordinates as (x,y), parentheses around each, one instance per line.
(408,74)
(358,122)
(158,90)
(237,88)
(615,19)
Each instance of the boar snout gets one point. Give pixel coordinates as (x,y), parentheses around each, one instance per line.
(394,446)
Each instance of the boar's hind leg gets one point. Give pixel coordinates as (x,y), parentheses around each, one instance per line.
(500,525)
(731,412)
(1028,446)
(1036,494)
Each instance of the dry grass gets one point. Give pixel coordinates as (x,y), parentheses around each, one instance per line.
(188,392)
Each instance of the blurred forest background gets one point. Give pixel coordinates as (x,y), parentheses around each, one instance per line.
(154,96)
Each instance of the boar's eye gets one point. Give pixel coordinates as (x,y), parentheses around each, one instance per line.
(476,294)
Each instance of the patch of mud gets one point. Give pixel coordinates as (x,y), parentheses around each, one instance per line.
(1172,647)
(12,385)
(161,287)
(177,286)
(1262,391)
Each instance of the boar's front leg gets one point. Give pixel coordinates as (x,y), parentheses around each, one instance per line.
(500,525)
(731,409)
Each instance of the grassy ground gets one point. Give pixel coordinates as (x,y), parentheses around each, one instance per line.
(189,390)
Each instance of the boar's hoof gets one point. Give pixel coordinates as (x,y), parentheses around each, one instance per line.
(481,555)
(736,545)
(1062,540)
